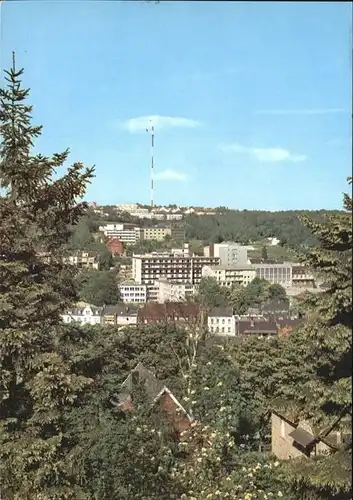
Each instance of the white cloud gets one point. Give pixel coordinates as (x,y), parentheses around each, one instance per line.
(170,175)
(268,155)
(141,123)
(313,111)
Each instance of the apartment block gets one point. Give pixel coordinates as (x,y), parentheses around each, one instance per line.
(156,233)
(133,293)
(127,233)
(176,268)
(229,253)
(229,276)
(174,292)
(83,260)
(275,273)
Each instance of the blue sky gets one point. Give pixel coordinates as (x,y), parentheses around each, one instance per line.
(251,101)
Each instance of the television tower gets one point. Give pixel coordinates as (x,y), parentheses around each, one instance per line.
(151,130)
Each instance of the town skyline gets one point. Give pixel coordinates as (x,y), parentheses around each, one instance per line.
(229,129)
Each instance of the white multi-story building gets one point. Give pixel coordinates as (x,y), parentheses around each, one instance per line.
(174,292)
(132,292)
(229,276)
(83,260)
(176,268)
(87,315)
(127,233)
(221,321)
(275,273)
(230,253)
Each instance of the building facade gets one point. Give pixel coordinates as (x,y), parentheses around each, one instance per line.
(133,293)
(156,233)
(174,292)
(83,260)
(302,277)
(177,268)
(221,321)
(127,233)
(229,276)
(229,253)
(275,273)
(87,315)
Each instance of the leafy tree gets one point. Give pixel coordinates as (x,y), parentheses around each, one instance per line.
(277,291)
(239,300)
(210,294)
(257,291)
(37,385)
(99,287)
(251,226)
(105,258)
(264,253)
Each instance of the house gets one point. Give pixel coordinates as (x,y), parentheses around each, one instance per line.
(85,315)
(294,438)
(157,393)
(119,315)
(176,312)
(115,246)
(82,260)
(221,321)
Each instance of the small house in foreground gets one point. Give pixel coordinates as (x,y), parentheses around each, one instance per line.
(293,439)
(157,393)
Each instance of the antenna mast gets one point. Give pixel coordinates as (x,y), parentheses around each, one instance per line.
(152,164)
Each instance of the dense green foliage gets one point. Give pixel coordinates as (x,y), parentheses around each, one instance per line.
(98,287)
(251,226)
(62,435)
(240,299)
(37,386)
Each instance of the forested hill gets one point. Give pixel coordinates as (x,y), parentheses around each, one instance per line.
(249,226)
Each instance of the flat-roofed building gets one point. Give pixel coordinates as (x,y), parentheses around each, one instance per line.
(275,273)
(133,293)
(127,233)
(176,268)
(230,275)
(156,233)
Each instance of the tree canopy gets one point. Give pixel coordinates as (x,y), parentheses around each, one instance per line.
(63,435)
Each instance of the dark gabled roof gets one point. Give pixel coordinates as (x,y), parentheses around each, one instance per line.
(78,311)
(302,437)
(260,327)
(120,310)
(221,312)
(155,311)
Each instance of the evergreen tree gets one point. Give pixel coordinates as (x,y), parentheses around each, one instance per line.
(330,313)
(264,253)
(36,383)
